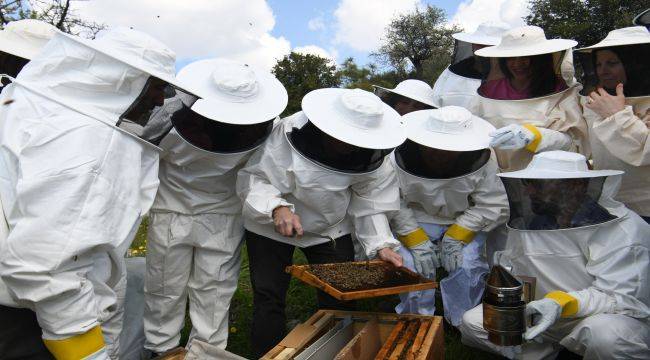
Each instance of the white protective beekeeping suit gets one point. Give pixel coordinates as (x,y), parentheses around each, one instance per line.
(75,180)
(457,84)
(23,39)
(529,123)
(589,256)
(449,192)
(621,140)
(196,228)
(331,202)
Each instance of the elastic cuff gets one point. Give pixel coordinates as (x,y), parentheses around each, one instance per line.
(460,233)
(280,203)
(568,303)
(77,347)
(532,147)
(372,253)
(414,238)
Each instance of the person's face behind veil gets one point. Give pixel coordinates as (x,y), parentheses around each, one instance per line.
(559,199)
(610,70)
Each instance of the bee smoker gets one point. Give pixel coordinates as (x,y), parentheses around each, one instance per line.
(503,308)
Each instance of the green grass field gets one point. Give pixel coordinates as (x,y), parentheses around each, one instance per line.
(301,304)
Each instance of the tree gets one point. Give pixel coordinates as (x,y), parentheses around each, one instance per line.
(301,74)
(586,21)
(420,37)
(353,76)
(56,12)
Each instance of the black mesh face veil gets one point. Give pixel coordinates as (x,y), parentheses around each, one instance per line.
(334,154)
(552,204)
(541,74)
(607,67)
(219,137)
(430,163)
(11,64)
(152,98)
(464,63)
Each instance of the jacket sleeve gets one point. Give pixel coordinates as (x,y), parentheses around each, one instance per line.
(621,285)
(489,203)
(553,140)
(402,221)
(626,136)
(263,180)
(371,199)
(565,128)
(65,210)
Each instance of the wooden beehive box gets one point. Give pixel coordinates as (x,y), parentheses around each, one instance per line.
(379,336)
(417,282)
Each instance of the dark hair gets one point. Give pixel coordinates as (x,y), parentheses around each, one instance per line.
(544,80)
(634,59)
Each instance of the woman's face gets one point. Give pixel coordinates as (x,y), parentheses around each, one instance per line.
(610,69)
(519,67)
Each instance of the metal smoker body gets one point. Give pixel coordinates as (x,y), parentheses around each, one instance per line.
(503,308)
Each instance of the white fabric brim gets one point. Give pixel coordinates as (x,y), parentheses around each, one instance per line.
(416,98)
(268,103)
(549,46)
(128,61)
(21,49)
(477,39)
(476,138)
(620,42)
(549,174)
(324,109)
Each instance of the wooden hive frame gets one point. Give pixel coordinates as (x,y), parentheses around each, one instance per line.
(302,273)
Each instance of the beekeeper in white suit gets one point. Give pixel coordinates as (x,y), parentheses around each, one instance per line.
(408,96)
(589,254)
(321,175)
(531,97)
(20,41)
(616,105)
(75,179)
(196,228)
(450,198)
(458,83)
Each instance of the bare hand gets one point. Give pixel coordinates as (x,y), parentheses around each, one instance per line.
(388,255)
(606,105)
(286,222)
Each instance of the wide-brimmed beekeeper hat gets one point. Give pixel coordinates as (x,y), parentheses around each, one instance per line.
(355,116)
(525,41)
(450,128)
(234,92)
(25,38)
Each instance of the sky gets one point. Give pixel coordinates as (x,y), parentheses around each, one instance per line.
(260,32)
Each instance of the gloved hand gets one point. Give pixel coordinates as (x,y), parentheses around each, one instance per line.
(545,313)
(424,259)
(452,253)
(511,137)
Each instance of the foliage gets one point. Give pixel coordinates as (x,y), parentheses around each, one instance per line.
(302,73)
(56,12)
(353,76)
(586,21)
(421,38)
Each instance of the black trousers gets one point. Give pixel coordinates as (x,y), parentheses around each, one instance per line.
(20,335)
(267,260)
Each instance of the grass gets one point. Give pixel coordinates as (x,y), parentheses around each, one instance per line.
(301,304)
